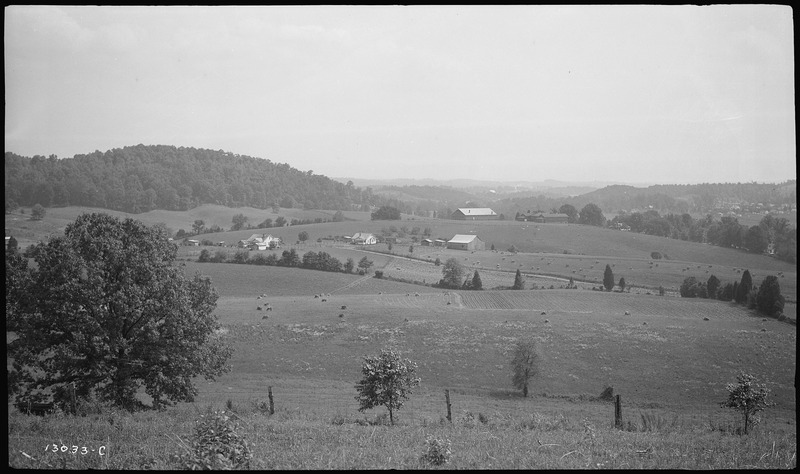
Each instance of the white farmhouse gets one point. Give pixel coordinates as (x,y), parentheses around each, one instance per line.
(363,238)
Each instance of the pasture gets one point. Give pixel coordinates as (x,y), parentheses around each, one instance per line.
(668,358)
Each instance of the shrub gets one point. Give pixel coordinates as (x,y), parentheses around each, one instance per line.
(379,274)
(216,445)
(655,255)
(241,256)
(205,256)
(437,451)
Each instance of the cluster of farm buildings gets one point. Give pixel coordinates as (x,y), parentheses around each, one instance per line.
(458,242)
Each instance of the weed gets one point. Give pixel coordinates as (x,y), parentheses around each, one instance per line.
(216,445)
(437,451)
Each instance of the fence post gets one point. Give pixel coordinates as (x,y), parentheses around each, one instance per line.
(271,404)
(618,413)
(447,398)
(72,402)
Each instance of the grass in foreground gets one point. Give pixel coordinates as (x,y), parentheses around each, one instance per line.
(292,440)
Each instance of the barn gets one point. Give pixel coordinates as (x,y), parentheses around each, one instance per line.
(466,242)
(474,214)
(543,217)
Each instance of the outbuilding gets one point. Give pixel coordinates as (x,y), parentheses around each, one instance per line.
(465,242)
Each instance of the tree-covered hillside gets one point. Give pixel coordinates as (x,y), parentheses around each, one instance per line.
(145,177)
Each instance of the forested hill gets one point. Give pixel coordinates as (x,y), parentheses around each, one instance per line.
(145,177)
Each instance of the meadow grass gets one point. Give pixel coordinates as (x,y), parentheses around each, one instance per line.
(564,439)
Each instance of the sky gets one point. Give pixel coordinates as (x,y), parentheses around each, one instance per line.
(628,94)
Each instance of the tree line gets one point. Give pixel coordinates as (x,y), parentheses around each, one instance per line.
(322,261)
(142,178)
(771,232)
(765,297)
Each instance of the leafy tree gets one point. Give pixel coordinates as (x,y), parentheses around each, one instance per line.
(302,236)
(712,285)
(525,364)
(608,278)
(411,248)
(198,226)
(238,221)
(38,212)
(205,256)
(437,262)
(338,216)
(106,309)
(280,221)
(365,264)
(726,293)
(349,265)
(388,380)
(592,215)
(756,240)
(786,246)
(744,287)
(690,288)
(769,299)
(289,258)
(386,213)
(452,274)
(570,211)
(621,284)
(519,284)
(748,397)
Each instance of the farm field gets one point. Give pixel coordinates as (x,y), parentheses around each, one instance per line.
(497,267)
(664,353)
(56,219)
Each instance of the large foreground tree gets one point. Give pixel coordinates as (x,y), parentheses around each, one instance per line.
(105,309)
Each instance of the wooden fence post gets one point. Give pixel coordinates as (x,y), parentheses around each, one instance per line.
(447,398)
(271,404)
(618,413)
(72,401)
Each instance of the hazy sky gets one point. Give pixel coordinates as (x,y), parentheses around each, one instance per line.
(667,94)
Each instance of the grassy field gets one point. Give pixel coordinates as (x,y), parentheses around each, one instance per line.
(56,219)
(668,358)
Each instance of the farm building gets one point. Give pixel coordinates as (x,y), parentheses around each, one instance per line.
(192,242)
(363,238)
(466,242)
(474,214)
(426,242)
(542,217)
(260,242)
(440,243)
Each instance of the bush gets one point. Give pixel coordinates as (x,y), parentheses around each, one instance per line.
(437,451)
(655,255)
(379,274)
(241,256)
(216,445)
